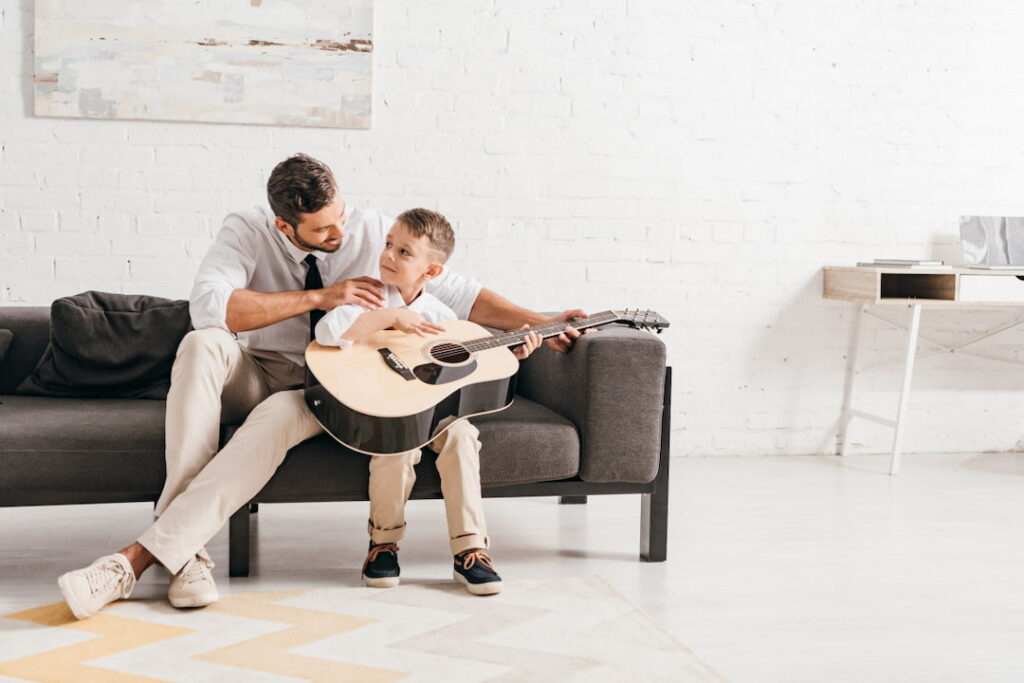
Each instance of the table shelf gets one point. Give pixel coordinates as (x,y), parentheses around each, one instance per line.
(932,287)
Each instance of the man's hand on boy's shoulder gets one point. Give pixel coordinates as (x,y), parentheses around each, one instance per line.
(363,291)
(563,342)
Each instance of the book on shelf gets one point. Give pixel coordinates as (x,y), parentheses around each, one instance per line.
(904,263)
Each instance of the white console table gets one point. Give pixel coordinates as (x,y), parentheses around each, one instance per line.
(913,289)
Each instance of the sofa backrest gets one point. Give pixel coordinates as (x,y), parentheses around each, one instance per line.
(31,328)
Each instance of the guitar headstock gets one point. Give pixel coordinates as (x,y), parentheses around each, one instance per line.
(642,319)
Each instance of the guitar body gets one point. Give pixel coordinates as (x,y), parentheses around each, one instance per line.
(386,394)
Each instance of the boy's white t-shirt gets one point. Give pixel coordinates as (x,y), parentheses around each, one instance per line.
(336,322)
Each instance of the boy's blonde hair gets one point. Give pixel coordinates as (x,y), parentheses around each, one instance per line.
(433,226)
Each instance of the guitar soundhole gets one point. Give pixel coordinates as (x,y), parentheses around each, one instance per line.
(449,353)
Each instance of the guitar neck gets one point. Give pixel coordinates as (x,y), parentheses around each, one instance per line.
(546,331)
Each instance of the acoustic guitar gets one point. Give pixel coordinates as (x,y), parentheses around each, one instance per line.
(386,394)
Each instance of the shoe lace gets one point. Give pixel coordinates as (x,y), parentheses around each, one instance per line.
(377,550)
(476,556)
(193,572)
(103,577)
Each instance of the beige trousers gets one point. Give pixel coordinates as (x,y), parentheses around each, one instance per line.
(214,379)
(458,464)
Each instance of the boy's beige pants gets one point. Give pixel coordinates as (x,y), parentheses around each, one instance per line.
(215,379)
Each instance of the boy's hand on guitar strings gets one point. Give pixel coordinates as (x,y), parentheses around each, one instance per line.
(531,343)
(564,342)
(411,322)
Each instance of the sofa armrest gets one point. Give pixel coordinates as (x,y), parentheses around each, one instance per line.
(611,386)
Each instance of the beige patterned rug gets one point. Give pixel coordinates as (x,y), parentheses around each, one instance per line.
(552,630)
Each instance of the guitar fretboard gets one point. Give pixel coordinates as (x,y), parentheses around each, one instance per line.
(546,331)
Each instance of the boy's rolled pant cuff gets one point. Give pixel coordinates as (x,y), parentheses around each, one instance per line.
(463,543)
(381,535)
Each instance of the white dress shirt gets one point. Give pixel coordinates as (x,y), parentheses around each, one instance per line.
(250,253)
(335,323)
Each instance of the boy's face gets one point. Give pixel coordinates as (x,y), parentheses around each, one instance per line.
(406,258)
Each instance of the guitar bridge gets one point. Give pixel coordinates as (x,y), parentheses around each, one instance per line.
(396,364)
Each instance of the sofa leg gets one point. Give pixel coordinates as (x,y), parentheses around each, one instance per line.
(654,506)
(238,543)
(654,526)
(572,500)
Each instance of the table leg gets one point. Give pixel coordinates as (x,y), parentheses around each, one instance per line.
(908,371)
(851,377)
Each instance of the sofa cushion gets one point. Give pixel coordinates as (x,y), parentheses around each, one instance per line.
(525,443)
(31,328)
(109,345)
(6,337)
(71,450)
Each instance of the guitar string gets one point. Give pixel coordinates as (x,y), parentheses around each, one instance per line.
(461,350)
(513,336)
(509,338)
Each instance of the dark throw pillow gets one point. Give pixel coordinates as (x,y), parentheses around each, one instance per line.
(6,337)
(106,345)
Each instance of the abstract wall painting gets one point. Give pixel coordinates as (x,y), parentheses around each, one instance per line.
(275,62)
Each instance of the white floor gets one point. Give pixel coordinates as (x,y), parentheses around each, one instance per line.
(780,568)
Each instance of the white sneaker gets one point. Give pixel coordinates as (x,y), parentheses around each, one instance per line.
(193,586)
(87,590)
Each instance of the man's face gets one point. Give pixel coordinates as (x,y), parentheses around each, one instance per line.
(323,230)
(406,258)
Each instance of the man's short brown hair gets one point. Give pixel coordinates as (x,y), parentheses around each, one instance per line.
(433,226)
(300,184)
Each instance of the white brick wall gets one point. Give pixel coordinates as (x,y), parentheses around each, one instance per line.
(701,158)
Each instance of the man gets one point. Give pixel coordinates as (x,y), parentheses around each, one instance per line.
(245,360)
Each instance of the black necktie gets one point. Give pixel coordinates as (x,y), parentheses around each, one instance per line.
(313,281)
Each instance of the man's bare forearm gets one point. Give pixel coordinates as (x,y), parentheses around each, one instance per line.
(493,310)
(249,310)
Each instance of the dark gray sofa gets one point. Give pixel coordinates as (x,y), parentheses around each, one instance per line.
(593,421)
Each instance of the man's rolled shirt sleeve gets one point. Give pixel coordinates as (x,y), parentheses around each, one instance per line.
(227,266)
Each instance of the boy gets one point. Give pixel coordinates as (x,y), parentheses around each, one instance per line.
(415,251)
